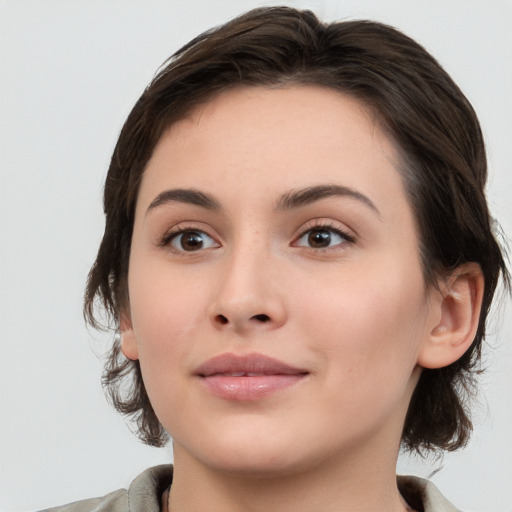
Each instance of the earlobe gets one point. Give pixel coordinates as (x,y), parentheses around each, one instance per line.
(129,345)
(458,313)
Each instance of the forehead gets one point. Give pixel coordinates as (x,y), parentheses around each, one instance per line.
(275,139)
(295,113)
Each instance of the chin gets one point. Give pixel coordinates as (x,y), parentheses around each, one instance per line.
(257,456)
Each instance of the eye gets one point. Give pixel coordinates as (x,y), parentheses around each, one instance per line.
(190,240)
(323,237)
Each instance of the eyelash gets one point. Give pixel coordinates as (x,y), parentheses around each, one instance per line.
(176,231)
(328,227)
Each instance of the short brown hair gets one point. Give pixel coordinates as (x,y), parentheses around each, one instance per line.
(443,167)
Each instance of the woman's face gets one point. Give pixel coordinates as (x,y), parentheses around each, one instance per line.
(277,303)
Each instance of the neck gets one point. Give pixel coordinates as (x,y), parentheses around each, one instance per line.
(358,484)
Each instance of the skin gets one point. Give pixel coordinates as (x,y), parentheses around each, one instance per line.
(355,314)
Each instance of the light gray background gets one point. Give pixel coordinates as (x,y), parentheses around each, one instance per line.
(70,72)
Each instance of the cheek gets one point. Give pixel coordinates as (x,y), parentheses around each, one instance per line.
(367,339)
(163,329)
(165,307)
(165,315)
(370,322)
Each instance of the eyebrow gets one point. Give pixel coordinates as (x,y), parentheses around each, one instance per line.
(188,196)
(289,201)
(303,197)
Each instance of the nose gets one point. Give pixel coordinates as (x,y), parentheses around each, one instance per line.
(249,298)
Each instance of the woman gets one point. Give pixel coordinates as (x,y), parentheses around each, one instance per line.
(299,259)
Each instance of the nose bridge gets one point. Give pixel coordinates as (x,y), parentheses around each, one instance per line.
(248,295)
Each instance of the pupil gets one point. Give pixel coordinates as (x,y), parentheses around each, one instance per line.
(319,238)
(191,241)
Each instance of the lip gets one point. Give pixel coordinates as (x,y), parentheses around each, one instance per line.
(247,377)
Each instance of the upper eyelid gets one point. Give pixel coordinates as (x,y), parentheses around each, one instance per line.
(327,224)
(183,227)
(346,239)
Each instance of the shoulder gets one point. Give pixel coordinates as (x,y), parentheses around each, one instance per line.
(143,495)
(114,502)
(423,495)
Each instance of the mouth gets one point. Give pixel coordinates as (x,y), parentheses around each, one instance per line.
(247,378)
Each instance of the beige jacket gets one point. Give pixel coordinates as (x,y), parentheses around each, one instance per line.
(144,495)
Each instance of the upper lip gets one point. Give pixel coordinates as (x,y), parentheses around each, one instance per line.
(239,365)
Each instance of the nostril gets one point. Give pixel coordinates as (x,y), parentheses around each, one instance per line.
(261,318)
(222,319)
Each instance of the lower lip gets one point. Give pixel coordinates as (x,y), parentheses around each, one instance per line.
(249,388)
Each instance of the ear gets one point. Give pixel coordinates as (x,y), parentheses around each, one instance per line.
(129,345)
(457,315)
